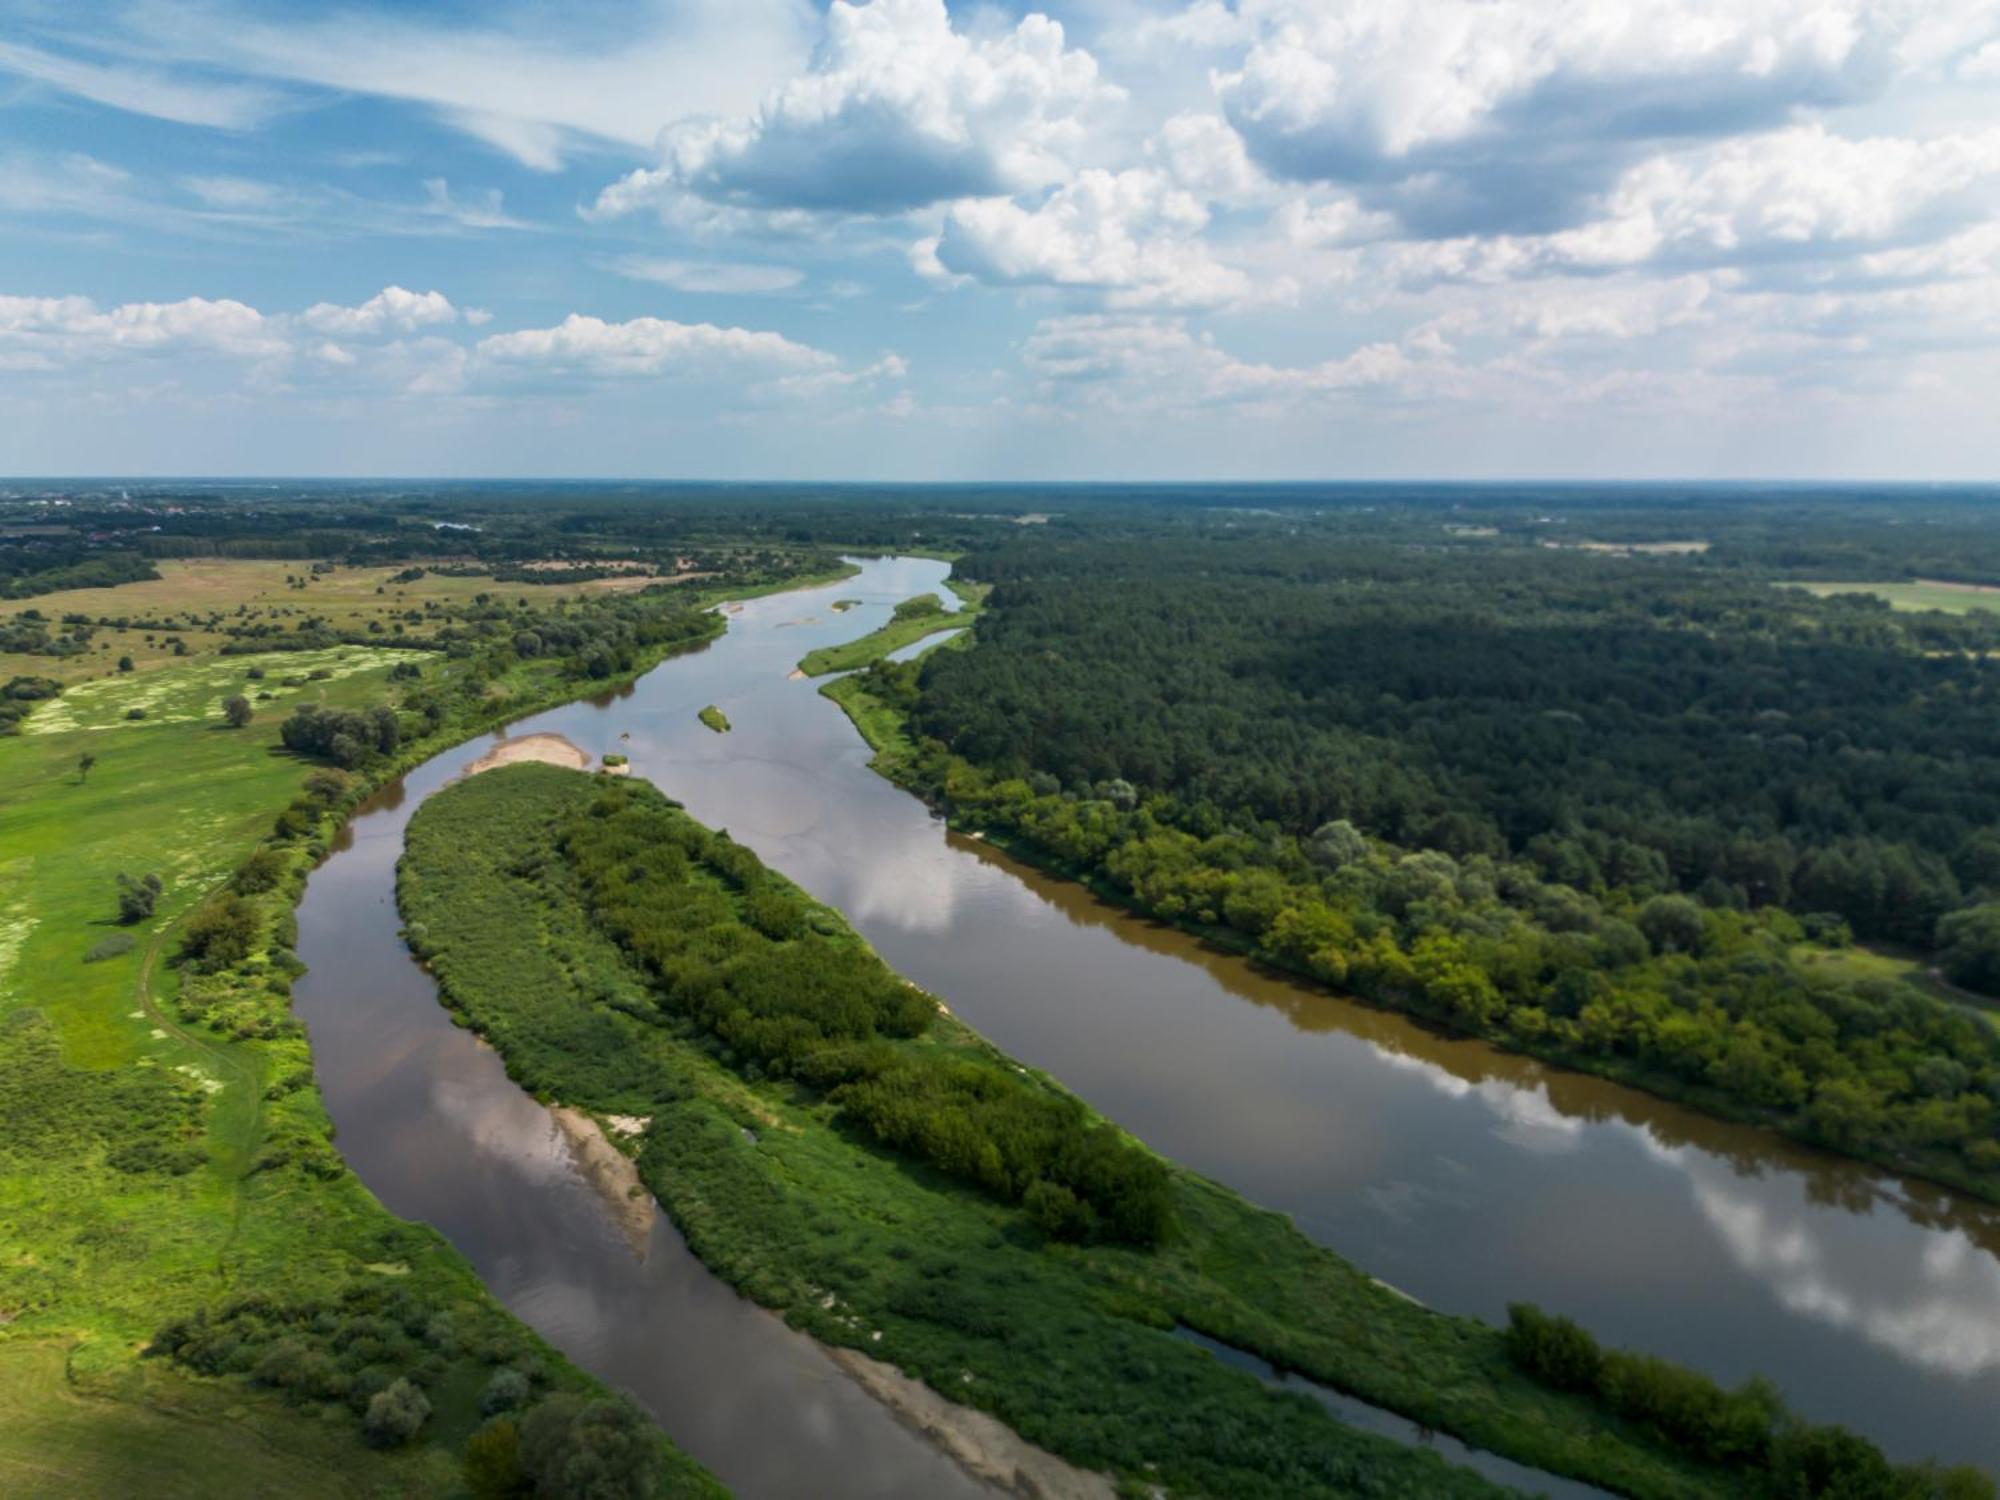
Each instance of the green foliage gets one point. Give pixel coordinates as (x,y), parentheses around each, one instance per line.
(1969,947)
(347,737)
(394,1415)
(1747,1428)
(137,897)
(909,622)
(117,944)
(801,1002)
(133,1120)
(492,1462)
(715,719)
(751,961)
(783,1190)
(221,932)
(19,697)
(236,710)
(573,1448)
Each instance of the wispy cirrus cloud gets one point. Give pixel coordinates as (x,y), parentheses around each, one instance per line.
(144,90)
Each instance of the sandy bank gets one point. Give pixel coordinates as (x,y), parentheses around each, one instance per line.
(984,1446)
(549,749)
(614,1174)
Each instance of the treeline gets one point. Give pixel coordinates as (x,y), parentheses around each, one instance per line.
(48,567)
(1708,1004)
(29,633)
(1629,724)
(782,983)
(1748,1429)
(1600,841)
(397,1364)
(19,697)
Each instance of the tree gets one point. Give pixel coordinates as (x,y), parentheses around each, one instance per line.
(1672,924)
(1336,844)
(1969,947)
(508,1390)
(83,764)
(588,1450)
(395,1414)
(124,663)
(237,710)
(493,1461)
(136,898)
(221,933)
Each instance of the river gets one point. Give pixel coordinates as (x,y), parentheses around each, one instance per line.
(1465,1176)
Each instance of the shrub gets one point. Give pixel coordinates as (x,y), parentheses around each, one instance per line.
(395,1414)
(137,897)
(492,1462)
(110,947)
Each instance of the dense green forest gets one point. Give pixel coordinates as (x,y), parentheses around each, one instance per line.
(1597,806)
(622,958)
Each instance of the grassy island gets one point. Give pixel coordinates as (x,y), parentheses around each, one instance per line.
(840,1149)
(714,718)
(909,623)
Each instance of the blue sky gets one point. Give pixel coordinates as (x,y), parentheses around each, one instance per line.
(1227,238)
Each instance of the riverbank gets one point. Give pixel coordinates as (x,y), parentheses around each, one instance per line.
(798,1213)
(883,725)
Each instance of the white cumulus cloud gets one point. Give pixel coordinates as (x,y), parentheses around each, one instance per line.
(393,309)
(1132,236)
(898,110)
(649,346)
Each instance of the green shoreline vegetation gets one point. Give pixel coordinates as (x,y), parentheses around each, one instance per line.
(171,1206)
(841,1150)
(910,622)
(1587,947)
(714,718)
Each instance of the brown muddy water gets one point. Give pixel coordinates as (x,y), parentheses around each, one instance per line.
(1463,1175)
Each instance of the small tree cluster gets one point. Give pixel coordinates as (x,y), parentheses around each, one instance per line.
(137,897)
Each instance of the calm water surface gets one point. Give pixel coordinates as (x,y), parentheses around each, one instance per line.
(1465,1176)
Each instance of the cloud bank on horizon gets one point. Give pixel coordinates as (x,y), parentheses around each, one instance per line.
(907,239)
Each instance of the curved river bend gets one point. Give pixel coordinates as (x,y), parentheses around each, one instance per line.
(1463,1175)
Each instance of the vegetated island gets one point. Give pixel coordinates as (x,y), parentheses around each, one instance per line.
(715,719)
(839,1148)
(842,606)
(909,623)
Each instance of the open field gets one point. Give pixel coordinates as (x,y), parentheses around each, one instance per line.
(163,1150)
(1920,594)
(92,1257)
(203,598)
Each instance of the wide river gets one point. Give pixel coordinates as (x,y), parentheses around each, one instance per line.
(1465,1176)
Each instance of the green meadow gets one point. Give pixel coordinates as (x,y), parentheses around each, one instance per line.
(1917,594)
(164,1156)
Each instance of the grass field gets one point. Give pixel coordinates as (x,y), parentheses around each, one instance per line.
(93,1258)
(200,596)
(162,1147)
(1922,594)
